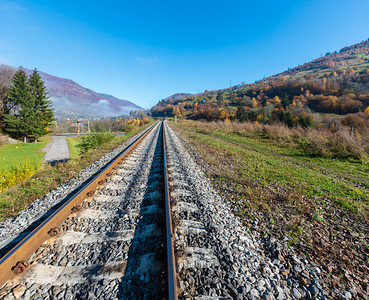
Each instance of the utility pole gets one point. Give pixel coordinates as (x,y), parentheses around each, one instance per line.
(88,124)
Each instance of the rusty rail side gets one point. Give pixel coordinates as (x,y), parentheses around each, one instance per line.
(28,245)
(171,263)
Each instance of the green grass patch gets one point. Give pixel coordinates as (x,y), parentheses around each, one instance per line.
(261,163)
(73,150)
(94,140)
(13,154)
(20,161)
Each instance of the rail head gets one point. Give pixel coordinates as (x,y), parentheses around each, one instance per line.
(171,263)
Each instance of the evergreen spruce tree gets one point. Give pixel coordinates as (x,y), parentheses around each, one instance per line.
(220,96)
(241,114)
(42,105)
(20,121)
(288,119)
(286,101)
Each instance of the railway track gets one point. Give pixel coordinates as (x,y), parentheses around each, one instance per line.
(112,239)
(149,225)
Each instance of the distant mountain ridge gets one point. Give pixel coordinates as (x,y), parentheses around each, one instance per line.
(71,100)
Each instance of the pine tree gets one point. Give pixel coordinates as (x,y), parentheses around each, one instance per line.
(288,119)
(241,114)
(20,121)
(286,101)
(220,96)
(44,115)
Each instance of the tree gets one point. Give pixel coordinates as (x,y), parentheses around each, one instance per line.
(305,121)
(254,102)
(367,111)
(223,114)
(286,101)
(276,101)
(20,120)
(44,115)
(176,111)
(6,74)
(220,96)
(287,118)
(241,114)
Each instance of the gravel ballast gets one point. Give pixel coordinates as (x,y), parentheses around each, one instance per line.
(116,238)
(113,247)
(14,229)
(220,257)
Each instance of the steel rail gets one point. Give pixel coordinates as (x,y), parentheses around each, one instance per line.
(15,260)
(171,263)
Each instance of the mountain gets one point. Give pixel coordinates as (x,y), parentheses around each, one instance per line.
(177,96)
(327,91)
(355,56)
(71,100)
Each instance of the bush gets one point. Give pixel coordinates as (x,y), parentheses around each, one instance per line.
(129,128)
(94,140)
(337,143)
(17,173)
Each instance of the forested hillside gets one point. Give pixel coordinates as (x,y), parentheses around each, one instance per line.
(330,90)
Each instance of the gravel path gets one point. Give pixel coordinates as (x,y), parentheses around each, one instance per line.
(99,253)
(57,150)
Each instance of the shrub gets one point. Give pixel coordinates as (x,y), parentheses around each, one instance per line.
(94,140)
(17,173)
(337,143)
(129,128)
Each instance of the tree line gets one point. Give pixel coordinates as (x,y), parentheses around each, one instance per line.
(25,108)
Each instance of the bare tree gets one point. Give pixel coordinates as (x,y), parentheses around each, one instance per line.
(6,75)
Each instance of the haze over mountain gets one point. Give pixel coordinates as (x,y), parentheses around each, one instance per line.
(71,100)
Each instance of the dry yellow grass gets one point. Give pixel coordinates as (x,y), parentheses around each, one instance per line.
(335,143)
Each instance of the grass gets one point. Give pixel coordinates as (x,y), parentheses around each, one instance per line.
(73,150)
(17,198)
(20,161)
(321,204)
(266,163)
(15,153)
(94,140)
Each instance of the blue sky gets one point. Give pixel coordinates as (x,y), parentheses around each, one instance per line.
(144,51)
